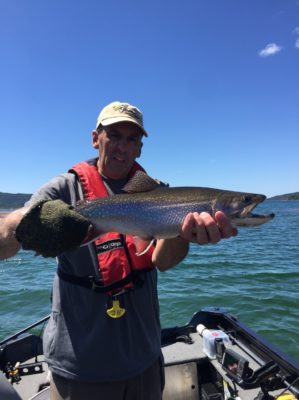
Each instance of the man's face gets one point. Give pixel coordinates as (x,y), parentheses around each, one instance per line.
(119,145)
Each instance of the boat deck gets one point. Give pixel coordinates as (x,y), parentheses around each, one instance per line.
(187,372)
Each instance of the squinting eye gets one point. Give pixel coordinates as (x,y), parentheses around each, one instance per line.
(113,136)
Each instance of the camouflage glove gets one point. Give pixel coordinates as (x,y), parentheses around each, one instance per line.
(51,227)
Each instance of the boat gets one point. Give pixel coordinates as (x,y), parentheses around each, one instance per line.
(212,357)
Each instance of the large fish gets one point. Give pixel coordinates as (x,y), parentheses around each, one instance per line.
(149,210)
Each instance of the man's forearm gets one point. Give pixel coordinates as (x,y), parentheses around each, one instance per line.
(9,246)
(169,252)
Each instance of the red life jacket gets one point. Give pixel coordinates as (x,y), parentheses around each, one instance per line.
(116,253)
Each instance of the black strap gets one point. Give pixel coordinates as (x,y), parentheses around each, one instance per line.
(90,282)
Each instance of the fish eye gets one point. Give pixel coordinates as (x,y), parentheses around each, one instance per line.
(247,199)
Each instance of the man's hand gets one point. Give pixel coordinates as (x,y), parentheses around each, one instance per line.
(51,227)
(203,228)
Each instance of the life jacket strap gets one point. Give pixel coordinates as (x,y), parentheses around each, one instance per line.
(90,282)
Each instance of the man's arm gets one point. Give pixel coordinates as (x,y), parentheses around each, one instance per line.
(49,228)
(197,228)
(9,246)
(169,252)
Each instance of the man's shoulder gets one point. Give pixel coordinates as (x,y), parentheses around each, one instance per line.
(63,186)
(65,178)
(61,182)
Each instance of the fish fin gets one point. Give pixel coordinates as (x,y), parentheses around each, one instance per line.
(92,234)
(141,182)
(142,245)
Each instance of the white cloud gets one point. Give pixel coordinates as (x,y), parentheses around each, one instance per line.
(270,50)
(297,43)
(296,30)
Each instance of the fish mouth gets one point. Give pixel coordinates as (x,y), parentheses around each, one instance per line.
(247,218)
(247,210)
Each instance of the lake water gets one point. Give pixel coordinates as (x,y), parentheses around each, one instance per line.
(255,276)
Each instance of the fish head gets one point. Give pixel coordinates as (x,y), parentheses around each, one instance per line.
(238,207)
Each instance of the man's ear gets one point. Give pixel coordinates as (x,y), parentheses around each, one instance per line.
(95,139)
(140,148)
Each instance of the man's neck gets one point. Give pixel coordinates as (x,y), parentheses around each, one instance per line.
(114,185)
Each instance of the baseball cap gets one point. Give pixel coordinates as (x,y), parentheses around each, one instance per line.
(121,112)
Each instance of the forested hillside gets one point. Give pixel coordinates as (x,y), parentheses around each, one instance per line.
(289,196)
(11,201)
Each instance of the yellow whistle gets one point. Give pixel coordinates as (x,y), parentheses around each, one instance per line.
(115,311)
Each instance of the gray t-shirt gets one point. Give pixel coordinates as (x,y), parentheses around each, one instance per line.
(81,341)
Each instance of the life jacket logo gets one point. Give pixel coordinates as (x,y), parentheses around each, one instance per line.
(109,246)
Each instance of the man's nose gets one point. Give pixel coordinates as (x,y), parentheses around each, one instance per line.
(122,145)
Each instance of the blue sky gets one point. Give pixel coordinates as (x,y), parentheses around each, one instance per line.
(217,81)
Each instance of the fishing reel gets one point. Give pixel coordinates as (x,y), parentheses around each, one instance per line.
(12,372)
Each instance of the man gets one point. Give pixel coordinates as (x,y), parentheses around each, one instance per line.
(103,337)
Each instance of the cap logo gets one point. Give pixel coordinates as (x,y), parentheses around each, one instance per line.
(124,108)
(120,108)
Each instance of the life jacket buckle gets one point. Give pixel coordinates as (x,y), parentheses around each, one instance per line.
(96,285)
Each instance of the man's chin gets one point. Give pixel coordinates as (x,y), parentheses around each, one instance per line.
(117,174)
